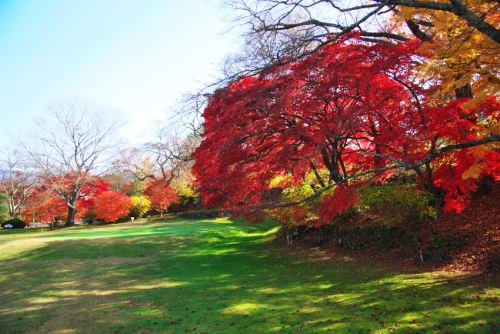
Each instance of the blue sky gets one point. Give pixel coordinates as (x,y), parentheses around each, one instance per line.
(137,56)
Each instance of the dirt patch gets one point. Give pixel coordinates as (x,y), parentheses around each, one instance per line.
(105,261)
(477,228)
(86,316)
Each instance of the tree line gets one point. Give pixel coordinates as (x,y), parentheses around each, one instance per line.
(73,164)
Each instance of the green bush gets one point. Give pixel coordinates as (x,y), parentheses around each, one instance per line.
(15,222)
(90,217)
(174,207)
(397,203)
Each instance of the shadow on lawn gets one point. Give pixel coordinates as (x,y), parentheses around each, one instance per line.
(226,280)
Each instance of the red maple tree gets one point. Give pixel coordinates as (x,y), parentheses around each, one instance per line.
(46,203)
(109,206)
(46,208)
(161,194)
(353,109)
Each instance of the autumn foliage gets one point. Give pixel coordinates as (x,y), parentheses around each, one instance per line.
(461,56)
(47,203)
(109,206)
(45,209)
(161,194)
(353,110)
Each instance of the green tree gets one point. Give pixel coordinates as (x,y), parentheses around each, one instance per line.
(4,209)
(136,188)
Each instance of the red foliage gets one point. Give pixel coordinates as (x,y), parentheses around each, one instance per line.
(91,190)
(88,192)
(349,108)
(47,203)
(45,211)
(48,208)
(161,194)
(343,198)
(109,206)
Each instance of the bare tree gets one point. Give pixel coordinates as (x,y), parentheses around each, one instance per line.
(118,179)
(261,48)
(71,146)
(281,31)
(171,149)
(18,179)
(133,164)
(186,117)
(167,154)
(292,29)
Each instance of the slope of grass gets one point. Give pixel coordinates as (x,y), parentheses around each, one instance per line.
(220,276)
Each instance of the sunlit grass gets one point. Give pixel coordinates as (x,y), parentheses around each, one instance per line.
(219,276)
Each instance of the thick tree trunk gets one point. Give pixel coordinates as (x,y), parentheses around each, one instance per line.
(70,221)
(12,208)
(438,193)
(332,166)
(335,174)
(464,92)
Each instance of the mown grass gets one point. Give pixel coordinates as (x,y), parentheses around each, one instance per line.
(220,276)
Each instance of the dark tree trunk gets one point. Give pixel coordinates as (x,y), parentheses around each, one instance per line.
(335,174)
(70,221)
(332,165)
(326,159)
(317,174)
(464,92)
(438,193)
(415,29)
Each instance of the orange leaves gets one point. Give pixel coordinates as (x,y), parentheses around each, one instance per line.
(461,54)
(111,205)
(52,199)
(161,194)
(45,209)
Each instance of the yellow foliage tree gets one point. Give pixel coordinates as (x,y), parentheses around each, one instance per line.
(186,194)
(465,61)
(139,208)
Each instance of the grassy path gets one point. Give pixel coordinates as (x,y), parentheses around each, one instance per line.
(218,276)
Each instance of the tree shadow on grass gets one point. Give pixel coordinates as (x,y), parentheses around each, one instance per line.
(227,280)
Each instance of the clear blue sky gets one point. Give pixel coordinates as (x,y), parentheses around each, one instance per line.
(136,55)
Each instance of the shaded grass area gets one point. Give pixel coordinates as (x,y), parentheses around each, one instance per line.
(220,276)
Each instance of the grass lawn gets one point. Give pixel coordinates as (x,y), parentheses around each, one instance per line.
(220,276)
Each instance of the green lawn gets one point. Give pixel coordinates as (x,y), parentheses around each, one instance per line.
(219,276)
